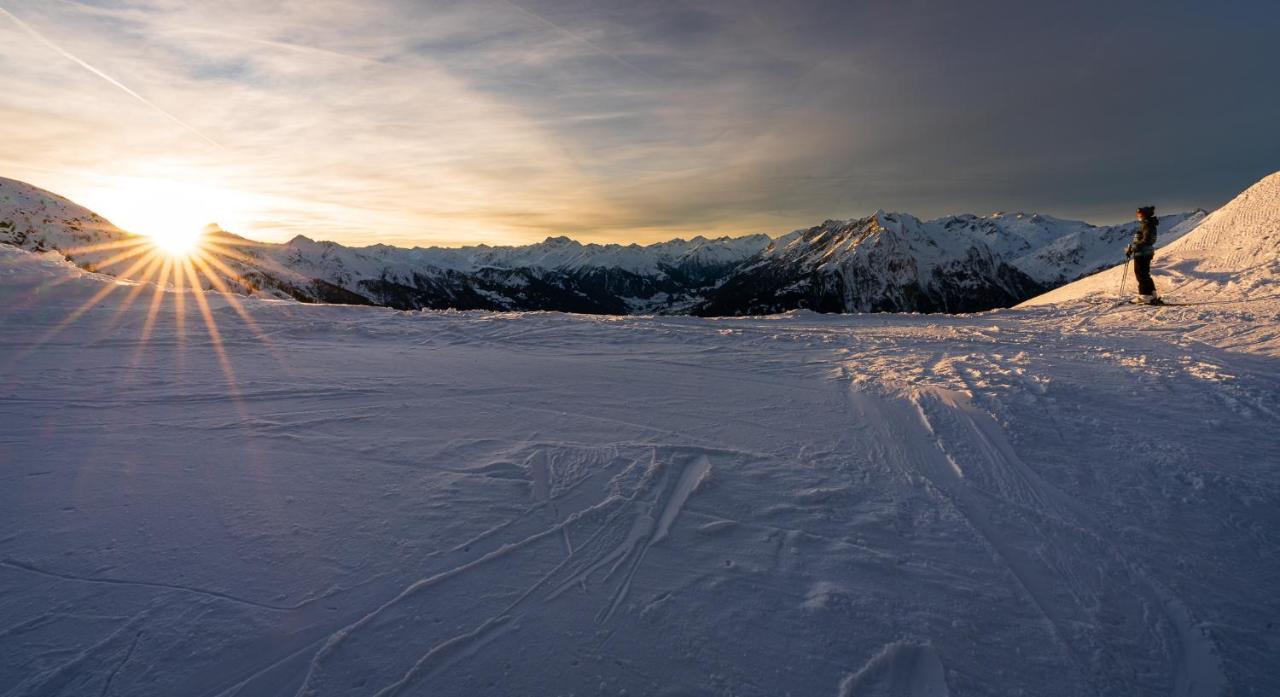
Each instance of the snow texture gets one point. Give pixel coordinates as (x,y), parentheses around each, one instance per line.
(1059,500)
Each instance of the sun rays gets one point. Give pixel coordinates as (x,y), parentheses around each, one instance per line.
(199,269)
(179,244)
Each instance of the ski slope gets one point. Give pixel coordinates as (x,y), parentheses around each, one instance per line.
(1233,256)
(209,496)
(1222,280)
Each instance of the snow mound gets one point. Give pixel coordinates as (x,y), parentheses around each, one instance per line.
(39,221)
(1234,254)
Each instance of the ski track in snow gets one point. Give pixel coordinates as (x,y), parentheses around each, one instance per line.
(1057,501)
(901,668)
(9,563)
(1193,663)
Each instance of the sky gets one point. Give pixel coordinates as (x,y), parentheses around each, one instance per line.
(425,122)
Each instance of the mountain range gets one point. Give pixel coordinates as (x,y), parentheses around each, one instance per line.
(885,262)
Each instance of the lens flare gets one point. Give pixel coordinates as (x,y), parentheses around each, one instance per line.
(175,267)
(177,243)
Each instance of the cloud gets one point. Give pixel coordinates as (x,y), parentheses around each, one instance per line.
(110,80)
(342,126)
(504,121)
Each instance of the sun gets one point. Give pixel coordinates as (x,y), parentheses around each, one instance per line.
(170,205)
(176,241)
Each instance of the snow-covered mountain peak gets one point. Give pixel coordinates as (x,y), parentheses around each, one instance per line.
(888,219)
(886,261)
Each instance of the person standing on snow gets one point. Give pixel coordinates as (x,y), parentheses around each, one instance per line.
(1142,250)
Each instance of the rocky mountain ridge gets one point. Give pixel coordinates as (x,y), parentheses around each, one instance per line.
(883,263)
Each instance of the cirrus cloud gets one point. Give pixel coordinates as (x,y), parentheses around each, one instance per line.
(503,121)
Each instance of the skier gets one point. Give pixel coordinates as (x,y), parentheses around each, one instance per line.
(1141,250)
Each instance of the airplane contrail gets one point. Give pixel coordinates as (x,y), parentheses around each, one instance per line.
(72,57)
(576,37)
(288,45)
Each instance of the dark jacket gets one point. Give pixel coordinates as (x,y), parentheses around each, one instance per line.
(1144,238)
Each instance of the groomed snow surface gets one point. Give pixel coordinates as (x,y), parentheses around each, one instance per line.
(1071,499)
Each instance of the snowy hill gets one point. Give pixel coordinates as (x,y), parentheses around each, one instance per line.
(207,494)
(887,262)
(38,220)
(1233,255)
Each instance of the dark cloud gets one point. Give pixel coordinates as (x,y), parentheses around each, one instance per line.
(839,107)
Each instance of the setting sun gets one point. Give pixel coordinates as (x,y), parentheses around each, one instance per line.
(171,204)
(178,241)
(360,348)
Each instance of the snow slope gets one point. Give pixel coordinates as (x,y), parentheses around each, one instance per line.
(39,220)
(336,500)
(1233,256)
(1239,246)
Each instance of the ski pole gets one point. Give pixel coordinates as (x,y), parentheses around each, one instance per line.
(1124,275)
